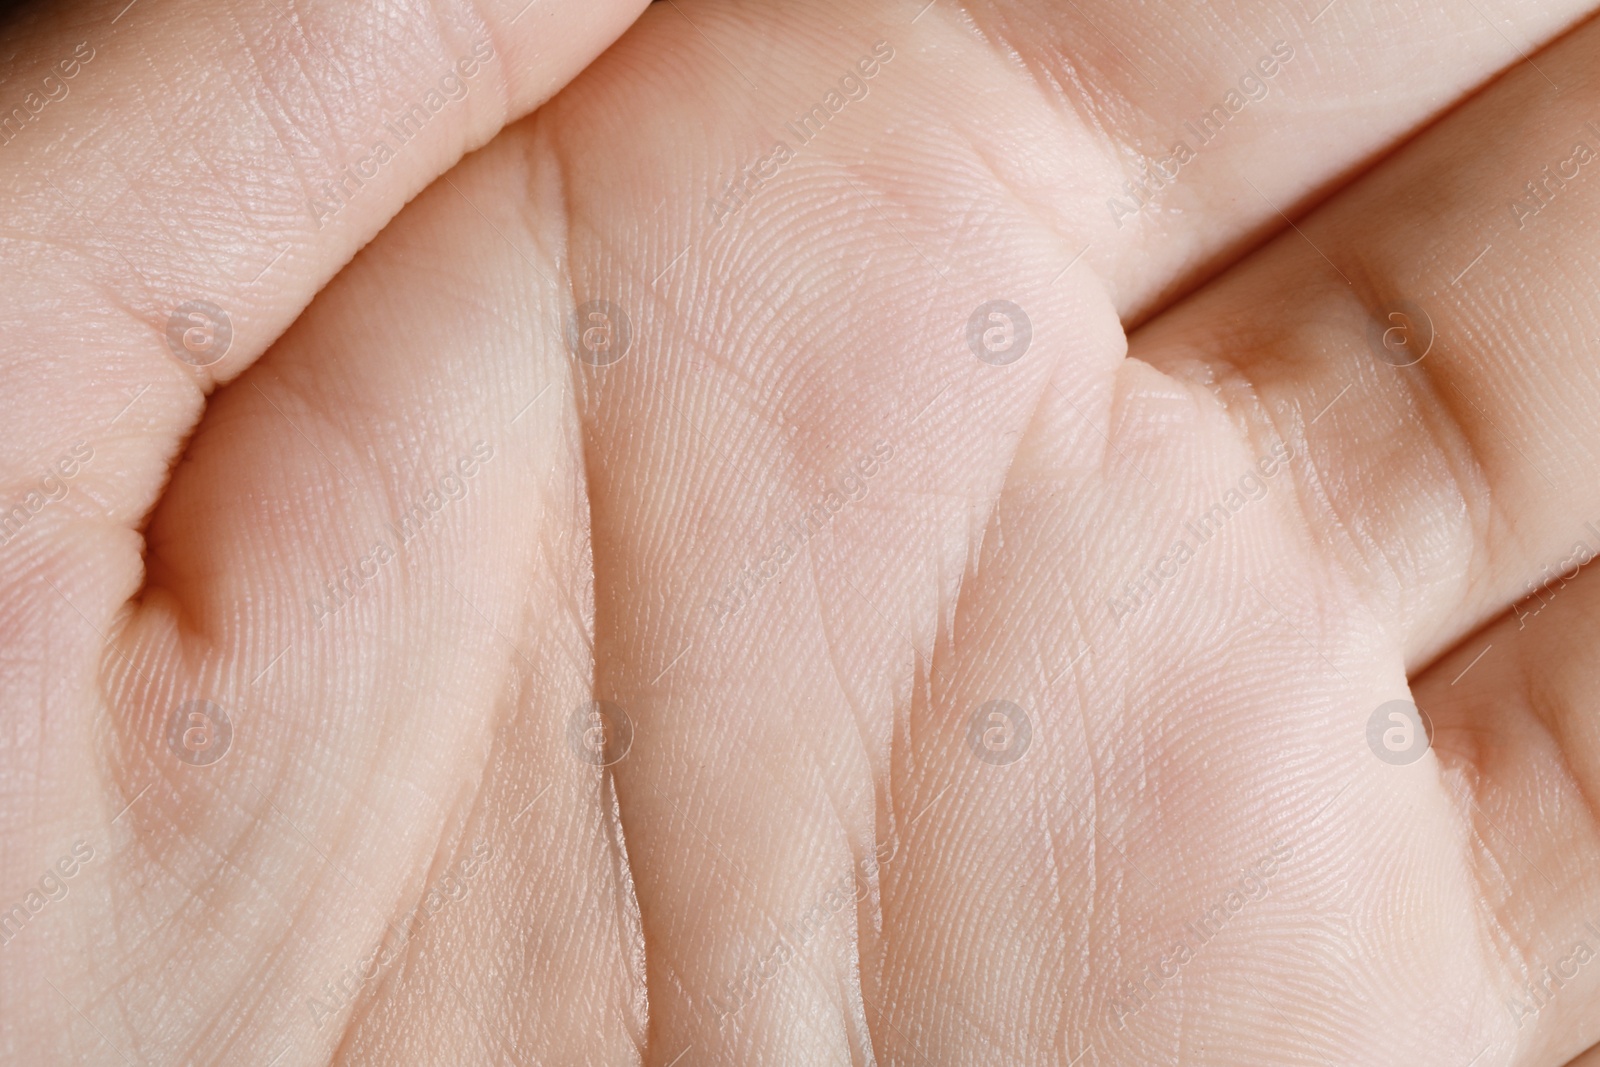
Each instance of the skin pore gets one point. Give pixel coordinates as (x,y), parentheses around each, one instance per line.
(508,776)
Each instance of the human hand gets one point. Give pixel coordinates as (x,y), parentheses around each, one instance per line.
(813,841)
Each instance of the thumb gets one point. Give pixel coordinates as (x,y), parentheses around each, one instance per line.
(179,177)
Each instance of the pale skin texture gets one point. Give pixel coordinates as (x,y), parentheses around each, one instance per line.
(801,860)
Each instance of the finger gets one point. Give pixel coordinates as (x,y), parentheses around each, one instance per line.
(1514,714)
(372,563)
(1448,488)
(1079,814)
(1209,120)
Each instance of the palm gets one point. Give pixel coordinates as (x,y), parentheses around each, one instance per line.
(827,842)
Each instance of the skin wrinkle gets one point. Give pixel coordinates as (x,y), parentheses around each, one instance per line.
(1091,891)
(798,959)
(1557,728)
(237,83)
(473,811)
(362,1003)
(1250,413)
(1456,411)
(1095,109)
(1455,444)
(639,1028)
(1131,702)
(1540,709)
(867,750)
(1063,1023)
(930,685)
(952,1007)
(224,1021)
(1495,926)
(264,85)
(662,959)
(818,978)
(860,1027)
(974,551)
(813,579)
(143,199)
(1470,452)
(119,292)
(204,896)
(678,985)
(639,1033)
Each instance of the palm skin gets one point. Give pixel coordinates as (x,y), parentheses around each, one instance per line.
(805,531)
